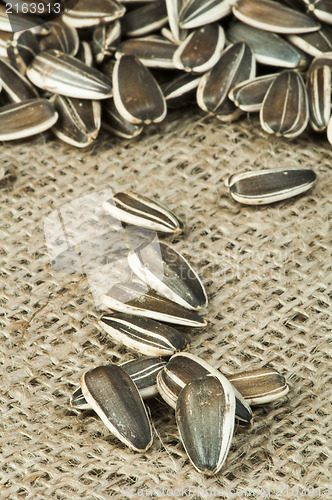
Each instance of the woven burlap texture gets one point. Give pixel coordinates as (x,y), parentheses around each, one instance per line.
(267,272)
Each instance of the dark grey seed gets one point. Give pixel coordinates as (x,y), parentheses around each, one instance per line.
(137,210)
(16,86)
(249,95)
(137,95)
(322,9)
(267,186)
(205,418)
(23,119)
(285,109)
(87,13)
(84,54)
(22,49)
(269,48)
(273,16)
(153,52)
(79,120)
(196,13)
(168,273)
(62,37)
(145,19)
(260,386)
(115,398)
(105,40)
(319,96)
(144,335)
(132,298)
(201,50)
(115,123)
(314,44)
(236,64)
(63,74)
(181,90)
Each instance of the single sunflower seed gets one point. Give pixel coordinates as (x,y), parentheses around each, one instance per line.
(113,395)
(196,13)
(138,210)
(181,90)
(61,37)
(249,95)
(113,122)
(260,386)
(205,419)
(145,19)
(64,74)
(132,298)
(319,96)
(153,52)
(105,40)
(89,13)
(285,109)
(168,273)
(271,185)
(22,48)
(16,86)
(173,8)
(314,44)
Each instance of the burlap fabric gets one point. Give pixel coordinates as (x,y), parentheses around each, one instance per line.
(267,271)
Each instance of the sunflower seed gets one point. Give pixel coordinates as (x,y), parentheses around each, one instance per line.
(84,54)
(268,186)
(201,50)
(153,52)
(116,124)
(145,19)
(115,398)
(181,90)
(319,95)
(205,419)
(79,120)
(137,95)
(132,298)
(269,48)
(26,118)
(273,16)
(260,386)
(64,74)
(143,372)
(322,9)
(22,48)
(196,13)
(184,367)
(16,86)
(144,335)
(168,273)
(105,40)
(285,109)
(173,8)
(314,44)
(236,64)
(249,95)
(87,13)
(137,210)
(61,37)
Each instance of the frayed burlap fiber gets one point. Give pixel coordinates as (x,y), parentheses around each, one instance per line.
(267,272)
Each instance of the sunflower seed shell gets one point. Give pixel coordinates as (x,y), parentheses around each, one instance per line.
(319,96)
(260,386)
(22,48)
(196,13)
(249,95)
(16,86)
(145,19)
(89,13)
(61,37)
(115,123)
(314,44)
(153,52)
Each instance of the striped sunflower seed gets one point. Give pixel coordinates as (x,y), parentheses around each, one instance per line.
(105,39)
(87,13)
(173,8)
(22,48)
(113,395)
(273,16)
(145,19)
(16,86)
(269,48)
(314,44)
(168,273)
(249,95)
(184,367)
(322,9)
(268,186)
(236,64)
(285,109)
(152,51)
(260,386)
(142,371)
(205,418)
(115,123)
(61,37)
(137,210)
(144,335)
(64,74)
(23,119)
(196,13)
(137,95)
(181,90)
(201,50)
(132,298)
(79,120)
(319,96)
(84,54)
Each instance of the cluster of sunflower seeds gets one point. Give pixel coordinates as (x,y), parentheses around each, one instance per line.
(167,292)
(121,66)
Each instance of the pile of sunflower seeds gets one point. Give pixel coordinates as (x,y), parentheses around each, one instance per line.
(166,292)
(121,66)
